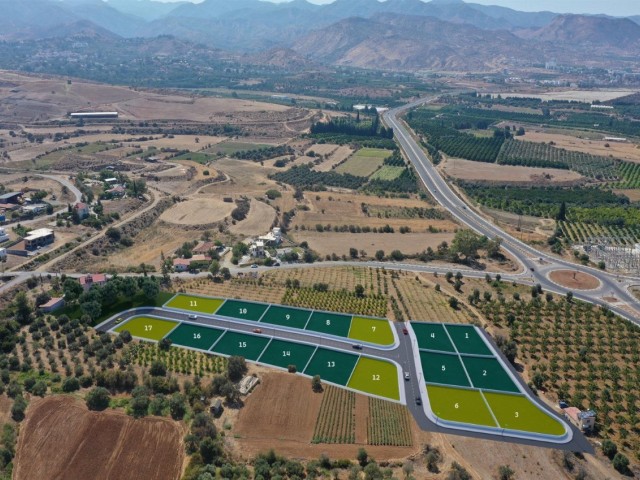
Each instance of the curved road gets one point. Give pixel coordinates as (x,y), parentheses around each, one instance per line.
(537,264)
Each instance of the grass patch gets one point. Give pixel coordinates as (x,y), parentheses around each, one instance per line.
(193,303)
(515,412)
(199,157)
(360,166)
(372,330)
(376,377)
(387,172)
(229,148)
(457,405)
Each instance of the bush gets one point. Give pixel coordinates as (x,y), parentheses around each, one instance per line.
(98,399)
(18,408)
(609,448)
(621,463)
(273,194)
(70,384)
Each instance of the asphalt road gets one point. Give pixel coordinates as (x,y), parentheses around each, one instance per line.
(537,264)
(402,354)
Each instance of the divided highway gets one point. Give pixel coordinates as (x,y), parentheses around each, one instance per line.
(537,265)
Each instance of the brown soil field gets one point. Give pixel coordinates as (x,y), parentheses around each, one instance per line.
(574,280)
(531,228)
(327,243)
(626,151)
(258,222)
(246,178)
(5,408)
(633,195)
(61,439)
(491,172)
(287,424)
(345,209)
(198,211)
(341,153)
(16,182)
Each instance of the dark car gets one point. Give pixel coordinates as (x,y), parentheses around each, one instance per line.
(357,346)
(418,401)
(405,331)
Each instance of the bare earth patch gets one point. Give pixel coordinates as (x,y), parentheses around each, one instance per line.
(633,195)
(491,172)
(198,211)
(258,222)
(575,280)
(61,439)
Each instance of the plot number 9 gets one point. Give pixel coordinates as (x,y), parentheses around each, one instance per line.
(287,316)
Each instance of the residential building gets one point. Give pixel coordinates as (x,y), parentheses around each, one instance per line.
(82,210)
(117,191)
(204,248)
(585,421)
(35,209)
(52,305)
(181,264)
(38,238)
(90,280)
(13,198)
(3,253)
(4,236)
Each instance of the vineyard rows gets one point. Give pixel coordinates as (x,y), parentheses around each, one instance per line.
(336,420)
(579,232)
(388,424)
(530,154)
(179,360)
(630,173)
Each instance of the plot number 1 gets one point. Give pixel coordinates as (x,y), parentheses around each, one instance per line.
(147,328)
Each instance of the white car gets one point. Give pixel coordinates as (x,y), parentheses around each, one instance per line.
(407,376)
(193,317)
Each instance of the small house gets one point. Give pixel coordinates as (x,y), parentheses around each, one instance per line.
(52,305)
(82,210)
(181,264)
(90,280)
(204,248)
(38,238)
(117,191)
(585,421)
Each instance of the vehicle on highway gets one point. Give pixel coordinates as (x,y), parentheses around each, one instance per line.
(405,331)
(118,320)
(193,317)
(257,330)
(407,376)
(418,401)
(357,346)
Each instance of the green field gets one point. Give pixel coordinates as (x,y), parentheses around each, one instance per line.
(199,157)
(488,373)
(193,336)
(444,369)
(467,340)
(360,166)
(282,354)
(374,153)
(332,366)
(387,172)
(193,303)
(147,328)
(286,317)
(515,412)
(330,323)
(457,405)
(240,344)
(432,336)
(242,310)
(376,377)
(228,148)
(372,330)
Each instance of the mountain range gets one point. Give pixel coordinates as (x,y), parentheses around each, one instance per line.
(395,34)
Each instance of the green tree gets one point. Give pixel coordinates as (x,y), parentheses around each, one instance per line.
(23,308)
(158,369)
(210,450)
(316,383)
(609,448)
(467,243)
(562,212)
(150,288)
(458,472)
(214,268)
(505,472)
(39,388)
(177,406)
(18,408)
(621,463)
(98,398)
(359,291)
(380,255)
(70,384)
(372,472)
(362,457)
(236,368)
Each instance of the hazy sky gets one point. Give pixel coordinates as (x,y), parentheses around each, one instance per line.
(610,7)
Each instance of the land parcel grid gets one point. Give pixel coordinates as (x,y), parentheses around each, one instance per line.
(376,377)
(332,366)
(148,328)
(241,344)
(459,405)
(487,373)
(330,323)
(194,336)
(515,412)
(372,330)
(283,354)
(432,336)
(194,303)
(286,317)
(242,310)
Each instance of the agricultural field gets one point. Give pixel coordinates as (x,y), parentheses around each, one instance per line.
(227,148)
(336,419)
(198,211)
(387,173)
(364,162)
(388,424)
(339,155)
(341,301)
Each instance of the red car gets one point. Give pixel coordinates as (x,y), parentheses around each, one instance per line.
(405,331)
(257,330)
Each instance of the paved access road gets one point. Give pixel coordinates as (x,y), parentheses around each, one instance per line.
(403,355)
(537,264)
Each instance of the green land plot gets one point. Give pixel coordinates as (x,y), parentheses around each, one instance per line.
(199,157)
(374,152)
(372,330)
(457,405)
(360,166)
(282,354)
(444,369)
(387,172)
(229,148)
(147,328)
(376,377)
(467,340)
(241,344)
(286,317)
(488,373)
(193,303)
(194,336)
(242,310)
(432,336)
(516,412)
(330,323)
(332,366)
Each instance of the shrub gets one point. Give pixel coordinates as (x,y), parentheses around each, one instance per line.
(98,399)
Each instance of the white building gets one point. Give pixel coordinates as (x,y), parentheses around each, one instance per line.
(3,253)
(274,237)
(38,238)
(4,236)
